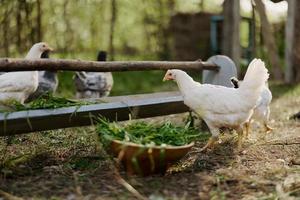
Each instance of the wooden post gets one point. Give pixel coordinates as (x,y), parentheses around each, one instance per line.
(292,41)
(231,31)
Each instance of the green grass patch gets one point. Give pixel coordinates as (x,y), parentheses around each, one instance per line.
(46,101)
(66,86)
(85,163)
(280,89)
(126,83)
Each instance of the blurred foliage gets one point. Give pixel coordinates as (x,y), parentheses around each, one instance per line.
(78,29)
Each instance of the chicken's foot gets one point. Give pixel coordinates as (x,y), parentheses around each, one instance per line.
(268,128)
(210,144)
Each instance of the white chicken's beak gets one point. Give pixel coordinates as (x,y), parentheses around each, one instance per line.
(50,49)
(167,78)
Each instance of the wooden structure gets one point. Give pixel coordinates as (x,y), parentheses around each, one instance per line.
(190,34)
(114,108)
(216,38)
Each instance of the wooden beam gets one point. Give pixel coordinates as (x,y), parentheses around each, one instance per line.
(11,64)
(117,108)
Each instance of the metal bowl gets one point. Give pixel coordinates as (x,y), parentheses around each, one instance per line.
(145,159)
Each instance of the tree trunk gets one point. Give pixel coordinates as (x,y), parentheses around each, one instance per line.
(231,31)
(146,29)
(292,49)
(28,12)
(6,32)
(201,4)
(19,26)
(269,40)
(112,29)
(161,34)
(39,20)
(253,29)
(67,24)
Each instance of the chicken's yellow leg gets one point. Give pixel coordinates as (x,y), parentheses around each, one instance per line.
(210,144)
(240,138)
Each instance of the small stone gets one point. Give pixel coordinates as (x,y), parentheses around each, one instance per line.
(280,161)
(291,182)
(295,161)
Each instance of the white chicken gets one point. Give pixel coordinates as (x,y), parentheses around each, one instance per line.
(262,108)
(222,106)
(17,86)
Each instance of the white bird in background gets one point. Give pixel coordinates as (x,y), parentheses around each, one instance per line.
(48,82)
(17,86)
(93,84)
(262,108)
(222,106)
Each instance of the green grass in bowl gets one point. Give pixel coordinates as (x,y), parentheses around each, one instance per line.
(144,133)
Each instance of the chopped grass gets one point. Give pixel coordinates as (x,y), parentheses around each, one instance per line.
(144,133)
(47,101)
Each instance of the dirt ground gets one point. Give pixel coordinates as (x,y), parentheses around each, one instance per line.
(70,164)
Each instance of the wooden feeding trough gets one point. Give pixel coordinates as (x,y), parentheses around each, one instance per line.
(218,70)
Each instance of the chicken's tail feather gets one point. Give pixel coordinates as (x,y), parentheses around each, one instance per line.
(255,79)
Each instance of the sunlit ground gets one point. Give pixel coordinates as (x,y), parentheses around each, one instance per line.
(70,163)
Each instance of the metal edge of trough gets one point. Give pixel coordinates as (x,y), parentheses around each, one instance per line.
(49,119)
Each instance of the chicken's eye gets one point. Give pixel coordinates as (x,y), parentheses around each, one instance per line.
(170,74)
(44,45)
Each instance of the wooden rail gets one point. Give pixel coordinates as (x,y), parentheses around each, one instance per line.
(116,108)
(12,64)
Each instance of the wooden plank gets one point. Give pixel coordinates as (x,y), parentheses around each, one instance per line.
(13,64)
(118,108)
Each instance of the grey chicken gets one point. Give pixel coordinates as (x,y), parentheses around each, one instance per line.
(93,84)
(48,81)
